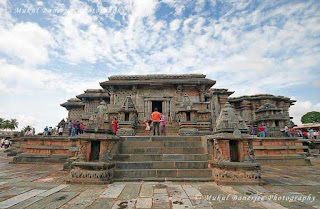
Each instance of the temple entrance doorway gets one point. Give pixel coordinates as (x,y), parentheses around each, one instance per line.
(158,105)
(95,151)
(234,154)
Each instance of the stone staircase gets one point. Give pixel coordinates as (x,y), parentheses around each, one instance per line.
(162,159)
(172,130)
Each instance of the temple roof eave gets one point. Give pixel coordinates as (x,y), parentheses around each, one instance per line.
(207,82)
(260,97)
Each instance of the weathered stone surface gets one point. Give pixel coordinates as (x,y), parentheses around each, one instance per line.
(55,200)
(20,198)
(52,191)
(130,191)
(144,203)
(146,190)
(102,203)
(113,190)
(124,204)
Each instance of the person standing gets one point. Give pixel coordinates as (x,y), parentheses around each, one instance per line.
(69,128)
(265,130)
(261,131)
(60,131)
(310,133)
(50,131)
(78,128)
(6,143)
(163,125)
(315,134)
(156,121)
(286,131)
(291,132)
(115,125)
(46,129)
(252,130)
(81,127)
(74,128)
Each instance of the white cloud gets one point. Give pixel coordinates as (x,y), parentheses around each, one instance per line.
(175,24)
(26,41)
(302,107)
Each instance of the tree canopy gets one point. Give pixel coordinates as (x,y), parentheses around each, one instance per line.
(311,117)
(8,124)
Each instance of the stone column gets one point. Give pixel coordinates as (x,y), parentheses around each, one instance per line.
(246,112)
(134,95)
(180,92)
(202,91)
(112,93)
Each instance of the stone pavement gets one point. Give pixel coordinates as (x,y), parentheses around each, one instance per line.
(43,186)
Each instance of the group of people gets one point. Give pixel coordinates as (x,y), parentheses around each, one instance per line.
(262,130)
(47,131)
(75,128)
(158,122)
(309,134)
(30,131)
(5,143)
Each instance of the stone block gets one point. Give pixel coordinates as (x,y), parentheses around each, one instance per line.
(194,173)
(167,173)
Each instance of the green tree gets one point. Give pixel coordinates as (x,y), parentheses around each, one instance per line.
(311,117)
(6,124)
(1,123)
(13,124)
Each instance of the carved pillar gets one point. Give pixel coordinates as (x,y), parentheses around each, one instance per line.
(112,93)
(245,111)
(180,92)
(202,91)
(134,94)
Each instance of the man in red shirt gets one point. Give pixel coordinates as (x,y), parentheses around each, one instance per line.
(156,121)
(261,130)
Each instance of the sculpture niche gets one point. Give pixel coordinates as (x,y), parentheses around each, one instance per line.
(232,157)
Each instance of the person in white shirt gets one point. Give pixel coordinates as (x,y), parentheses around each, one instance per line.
(60,130)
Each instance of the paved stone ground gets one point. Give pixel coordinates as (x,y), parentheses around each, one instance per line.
(43,186)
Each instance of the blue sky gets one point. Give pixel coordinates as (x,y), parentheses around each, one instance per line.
(53,50)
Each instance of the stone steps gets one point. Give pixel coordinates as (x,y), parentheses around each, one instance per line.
(166,158)
(154,144)
(162,165)
(32,158)
(160,157)
(162,150)
(144,174)
(162,138)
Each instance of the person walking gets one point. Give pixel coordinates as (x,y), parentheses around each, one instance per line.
(156,121)
(163,125)
(115,125)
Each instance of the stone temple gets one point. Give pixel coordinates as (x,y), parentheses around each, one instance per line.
(207,133)
(189,102)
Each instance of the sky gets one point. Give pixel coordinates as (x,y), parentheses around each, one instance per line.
(51,51)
